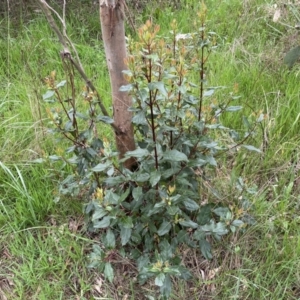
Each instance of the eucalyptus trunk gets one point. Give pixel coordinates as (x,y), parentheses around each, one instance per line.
(113,34)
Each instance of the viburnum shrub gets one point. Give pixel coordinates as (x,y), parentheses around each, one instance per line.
(147,215)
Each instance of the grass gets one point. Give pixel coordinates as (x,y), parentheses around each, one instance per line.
(43,244)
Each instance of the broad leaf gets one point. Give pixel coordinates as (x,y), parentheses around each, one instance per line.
(251,148)
(154,177)
(204,215)
(166,288)
(124,196)
(292,56)
(199,235)
(237,223)
(101,167)
(184,273)
(139,118)
(164,228)
(220,229)
(48,94)
(233,108)
(105,119)
(104,223)
(188,223)
(126,88)
(125,235)
(222,212)
(208,93)
(158,85)
(137,193)
(205,249)
(62,83)
(99,213)
(190,204)
(160,279)
(174,155)
(126,222)
(54,157)
(109,272)
(138,153)
(211,160)
(110,240)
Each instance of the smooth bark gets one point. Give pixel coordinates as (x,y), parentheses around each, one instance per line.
(113,34)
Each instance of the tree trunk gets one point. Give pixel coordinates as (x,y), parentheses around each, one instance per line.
(113,34)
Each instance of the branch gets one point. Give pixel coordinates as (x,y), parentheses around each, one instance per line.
(66,54)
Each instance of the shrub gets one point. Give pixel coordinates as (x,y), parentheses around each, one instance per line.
(170,200)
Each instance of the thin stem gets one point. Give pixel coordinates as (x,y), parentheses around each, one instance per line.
(201,74)
(66,54)
(151,104)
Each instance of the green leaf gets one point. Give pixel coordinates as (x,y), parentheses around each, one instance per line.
(182,236)
(174,155)
(164,228)
(97,250)
(142,262)
(171,270)
(140,118)
(166,251)
(160,279)
(199,235)
(104,223)
(124,195)
(184,273)
(111,181)
(158,85)
(190,204)
(109,272)
(136,238)
(110,171)
(211,160)
(110,240)
(126,222)
(149,243)
(222,212)
(48,94)
(154,177)
(188,223)
(126,88)
(292,56)
(142,177)
(137,193)
(54,157)
(166,288)
(138,153)
(62,83)
(101,167)
(220,229)
(105,119)
(233,108)
(204,215)
(237,223)
(111,197)
(99,213)
(125,235)
(173,210)
(251,148)
(205,249)
(160,204)
(208,93)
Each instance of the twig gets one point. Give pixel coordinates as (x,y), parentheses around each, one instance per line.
(66,54)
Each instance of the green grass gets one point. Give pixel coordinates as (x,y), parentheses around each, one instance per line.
(44,245)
